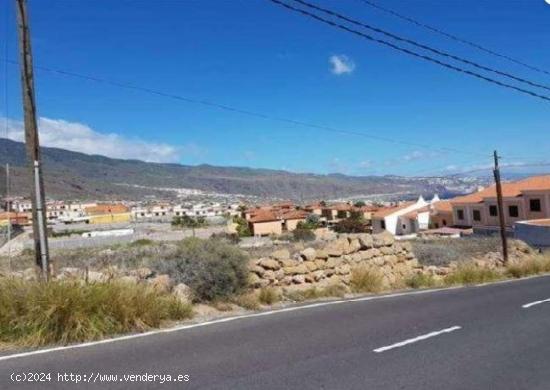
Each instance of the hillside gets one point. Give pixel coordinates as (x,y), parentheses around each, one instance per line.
(76,175)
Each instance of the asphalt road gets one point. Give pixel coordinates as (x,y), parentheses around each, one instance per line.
(469,338)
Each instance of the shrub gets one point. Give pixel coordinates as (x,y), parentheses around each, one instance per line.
(142,242)
(213,269)
(243,230)
(335,290)
(537,265)
(33,313)
(420,280)
(248,301)
(365,280)
(302,234)
(351,225)
(268,296)
(468,273)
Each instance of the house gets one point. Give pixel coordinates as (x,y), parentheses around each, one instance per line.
(108,213)
(526,199)
(275,219)
(15,218)
(265,223)
(409,217)
(336,212)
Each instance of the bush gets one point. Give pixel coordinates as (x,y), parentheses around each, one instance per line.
(213,269)
(468,273)
(420,280)
(34,313)
(248,301)
(533,266)
(335,290)
(142,242)
(365,280)
(243,230)
(351,225)
(268,296)
(301,234)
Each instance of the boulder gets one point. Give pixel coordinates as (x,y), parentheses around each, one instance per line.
(367,255)
(311,266)
(144,273)
(344,269)
(299,269)
(279,274)
(321,264)
(309,254)
(387,250)
(334,262)
(97,277)
(321,254)
(183,292)
(383,239)
(269,264)
(269,275)
(281,254)
(298,279)
(288,263)
(257,270)
(318,275)
(354,245)
(365,240)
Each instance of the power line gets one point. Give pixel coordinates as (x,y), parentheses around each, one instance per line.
(420,45)
(453,37)
(246,112)
(408,51)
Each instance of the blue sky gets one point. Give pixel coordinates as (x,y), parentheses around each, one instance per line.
(256,56)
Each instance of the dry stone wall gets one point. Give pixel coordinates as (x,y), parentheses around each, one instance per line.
(334,262)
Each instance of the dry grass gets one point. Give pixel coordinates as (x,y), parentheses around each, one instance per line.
(35,314)
(469,273)
(443,251)
(537,265)
(331,291)
(269,296)
(366,280)
(248,301)
(420,281)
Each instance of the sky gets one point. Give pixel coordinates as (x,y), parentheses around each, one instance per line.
(258,57)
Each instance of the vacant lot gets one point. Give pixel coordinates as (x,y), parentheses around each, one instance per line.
(443,251)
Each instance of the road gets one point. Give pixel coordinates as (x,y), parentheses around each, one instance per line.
(488,337)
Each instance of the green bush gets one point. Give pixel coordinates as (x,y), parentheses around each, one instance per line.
(302,234)
(142,242)
(213,269)
(34,313)
(365,280)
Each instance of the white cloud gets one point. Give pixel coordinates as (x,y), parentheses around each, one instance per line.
(341,64)
(414,155)
(79,137)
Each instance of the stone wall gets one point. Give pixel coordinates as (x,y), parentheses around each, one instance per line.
(333,263)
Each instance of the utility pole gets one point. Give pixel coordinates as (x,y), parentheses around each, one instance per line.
(32,142)
(500,206)
(8,205)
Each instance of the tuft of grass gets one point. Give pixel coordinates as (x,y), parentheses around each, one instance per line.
(141,242)
(534,266)
(420,281)
(268,296)
(316,293)
(366,280)
(35,314)
(468,273)
(249,301)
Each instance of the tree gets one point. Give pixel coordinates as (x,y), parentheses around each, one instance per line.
(354,224)
(243,230)
(360,203)
(186,221)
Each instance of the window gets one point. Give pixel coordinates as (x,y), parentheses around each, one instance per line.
(404,226)
(383,224)
(460,214)
(513,211)
(534,205)
(477,215)
(444,222)
(493,210)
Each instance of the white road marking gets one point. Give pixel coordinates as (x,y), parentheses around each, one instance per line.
(528,305)
(244,316)
(416,339)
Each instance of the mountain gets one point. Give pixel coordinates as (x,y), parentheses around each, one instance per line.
(72,175)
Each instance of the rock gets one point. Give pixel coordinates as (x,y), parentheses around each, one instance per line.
(390,259)
(367,255)
(354,245)
(387,250)
(321,254)
(383,239)
(309,278)
(413,263)
(318,275)
(183,292)
(161,283)
(279,274)
(269,264)
(257,270)
(269,275)
(298,279)
(333,262)
(338,247)
(288,263)
(70,273)
(365,240)
(287,280)
(406,246)
(321,264)
(299,269)
(356,257)
(309,254)
(281,254)
(343,269)
(311,266)
(378,260)
(256,282)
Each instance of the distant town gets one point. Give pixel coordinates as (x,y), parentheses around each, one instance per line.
(526,215)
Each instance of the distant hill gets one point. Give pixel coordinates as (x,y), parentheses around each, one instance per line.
(72,175)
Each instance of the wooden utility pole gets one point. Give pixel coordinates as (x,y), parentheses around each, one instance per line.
(500,206)
(32,142)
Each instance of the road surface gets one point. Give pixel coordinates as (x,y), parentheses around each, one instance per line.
(487,337)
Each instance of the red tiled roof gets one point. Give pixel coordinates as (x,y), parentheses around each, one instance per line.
(385,211)
(294,214)
(263,216)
